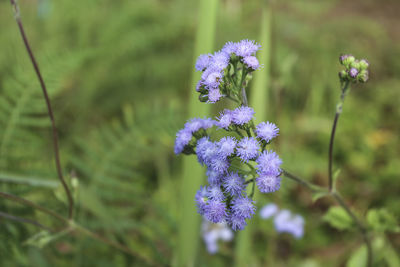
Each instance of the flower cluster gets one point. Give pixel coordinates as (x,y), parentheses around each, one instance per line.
(220,75)
(212,233)
(240,158)
(355,70)
(284,220)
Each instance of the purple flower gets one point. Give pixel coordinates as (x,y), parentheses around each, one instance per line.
(353,72)
(215,211)
(211,78)
(343,57)
(243,207)
(237,222)
(225,119)
(268,182)
(219,61)
(205,150)
(219,164)
(212,233)
(202,62)
(214,95)
(214,177)
(269,162)
(201,199)
(233,184)
(229,48)
(268,211)
(247,48)
(247,149)
(251,62)
(215,193)
(267,131)
(183,138)
(285,222)
(242,115)
(226,146)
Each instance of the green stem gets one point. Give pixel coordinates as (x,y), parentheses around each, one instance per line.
(339,108)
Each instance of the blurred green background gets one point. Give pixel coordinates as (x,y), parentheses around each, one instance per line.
(121,75)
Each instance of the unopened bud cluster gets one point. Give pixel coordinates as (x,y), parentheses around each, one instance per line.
(355,70)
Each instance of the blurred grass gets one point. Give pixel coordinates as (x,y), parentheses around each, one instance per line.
(193,173)
(123,84)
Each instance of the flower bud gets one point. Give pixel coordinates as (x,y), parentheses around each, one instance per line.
(343,75)
(363,76)
(353,72)
(203,98)
(364,64)
(348,60)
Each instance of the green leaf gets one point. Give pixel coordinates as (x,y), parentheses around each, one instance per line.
(381,220)
(335,177)
(338,218)
(318,195)
(43,238)
(358,258)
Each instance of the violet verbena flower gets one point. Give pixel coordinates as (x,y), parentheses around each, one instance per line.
(206,150)
(230,48)
(219,164)
(225,119)
(268,182)
(247,149)
(269,162)
(211,78)
(267,131)
(233,184)
(242,115)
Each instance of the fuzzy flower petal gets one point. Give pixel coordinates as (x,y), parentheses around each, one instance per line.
(247,149)
(242,115)
(268,182)
(267,131)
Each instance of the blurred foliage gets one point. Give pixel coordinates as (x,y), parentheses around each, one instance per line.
(119,72)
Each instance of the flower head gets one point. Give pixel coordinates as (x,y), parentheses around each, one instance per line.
(215,193)
(212,78)
(247,149)
(201,199)
(219,61)
(214,95)
(243,207)
(226,146)
(247,48)
(202,62)
(242,115)
(229,48)
(214,177)
(269,162)
(267,131)
(225,119)
(237,222)
(268,182)
(215,211)
(183,138)
(353,72)
(206,150)
(251,62)
(233,184)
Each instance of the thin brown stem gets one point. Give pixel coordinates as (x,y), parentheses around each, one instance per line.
(33,205)
(23,220)
(49,108)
